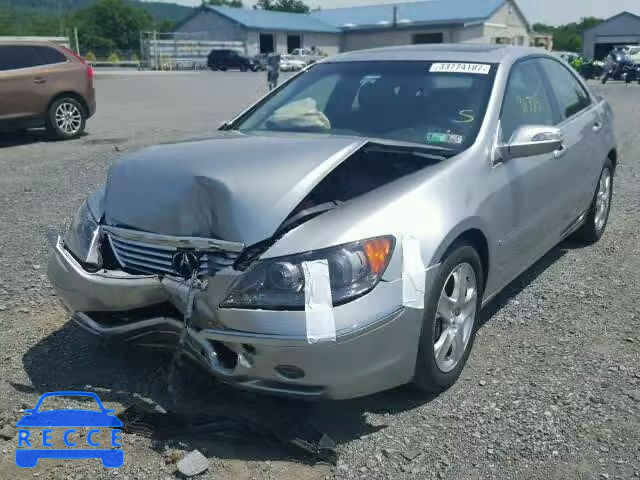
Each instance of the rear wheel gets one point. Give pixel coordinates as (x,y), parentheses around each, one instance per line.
(450,319)
(66,118)
(598,215)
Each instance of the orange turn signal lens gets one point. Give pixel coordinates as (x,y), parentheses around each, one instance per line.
(378,251)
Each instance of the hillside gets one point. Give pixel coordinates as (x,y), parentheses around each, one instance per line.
(21,8)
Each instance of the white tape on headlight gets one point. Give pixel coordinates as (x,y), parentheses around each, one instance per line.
(318,306)
(413,273)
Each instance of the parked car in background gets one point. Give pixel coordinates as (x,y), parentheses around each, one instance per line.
(260,61)
(45,85)
(289,63)
(307,55)
(230,59)
(341,236)
(633,51)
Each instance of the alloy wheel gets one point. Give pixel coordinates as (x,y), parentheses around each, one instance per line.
(603,199)
(455,317)
(68,118)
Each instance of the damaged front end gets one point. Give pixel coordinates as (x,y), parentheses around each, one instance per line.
(133,253)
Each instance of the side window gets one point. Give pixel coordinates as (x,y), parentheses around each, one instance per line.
(571,95)
(50,55)
(13,57)
(526,101)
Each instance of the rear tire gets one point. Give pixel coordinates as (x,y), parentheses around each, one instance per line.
(450,319)
(66,119)
(598,215)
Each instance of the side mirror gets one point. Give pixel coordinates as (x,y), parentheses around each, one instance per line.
(532,140)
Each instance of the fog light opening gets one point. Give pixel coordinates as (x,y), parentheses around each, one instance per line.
(249,348)
(226,357)
(290,372)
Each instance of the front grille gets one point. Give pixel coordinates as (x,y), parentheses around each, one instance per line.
(139,257)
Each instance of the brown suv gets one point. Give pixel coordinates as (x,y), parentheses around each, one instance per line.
(45,85)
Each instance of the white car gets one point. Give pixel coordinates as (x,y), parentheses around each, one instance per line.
(290,64)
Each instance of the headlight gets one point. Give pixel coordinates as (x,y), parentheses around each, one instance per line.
(278,283)
(82,237)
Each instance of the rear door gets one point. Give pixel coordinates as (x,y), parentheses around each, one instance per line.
(581,124)
(23,91)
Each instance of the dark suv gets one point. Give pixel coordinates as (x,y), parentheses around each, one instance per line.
(224,59)
(42,84)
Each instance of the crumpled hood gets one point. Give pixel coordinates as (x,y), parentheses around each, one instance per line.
(232,186)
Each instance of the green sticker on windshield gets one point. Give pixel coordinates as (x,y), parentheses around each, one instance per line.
(450,138)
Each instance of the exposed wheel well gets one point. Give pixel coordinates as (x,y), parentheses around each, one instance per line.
(73,95)
(613,156)
(476,238)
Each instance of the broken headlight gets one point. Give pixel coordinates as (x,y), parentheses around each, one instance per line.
(82,237)
(278,283)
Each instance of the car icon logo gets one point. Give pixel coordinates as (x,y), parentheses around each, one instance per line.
(36,430)
(185,262)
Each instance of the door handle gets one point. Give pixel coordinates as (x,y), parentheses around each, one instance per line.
(560,152)
(39,80)
(597,127)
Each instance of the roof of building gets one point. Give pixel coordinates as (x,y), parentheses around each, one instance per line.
(269,20)
(606,24)
(337,20)
(421,12)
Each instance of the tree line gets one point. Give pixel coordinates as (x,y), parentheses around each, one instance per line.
(568,38)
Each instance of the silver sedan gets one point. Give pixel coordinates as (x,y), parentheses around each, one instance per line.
(341,236)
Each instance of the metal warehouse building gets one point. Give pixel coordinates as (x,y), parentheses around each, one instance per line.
(623,29)
(354,28)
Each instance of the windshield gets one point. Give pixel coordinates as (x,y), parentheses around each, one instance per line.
(435,104)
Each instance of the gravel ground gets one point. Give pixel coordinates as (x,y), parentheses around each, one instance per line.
(552,388)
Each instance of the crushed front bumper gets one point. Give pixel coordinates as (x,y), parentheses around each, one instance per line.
(253,349)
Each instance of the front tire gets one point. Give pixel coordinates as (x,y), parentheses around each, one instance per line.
(450,319)
(598,215)
(66,119)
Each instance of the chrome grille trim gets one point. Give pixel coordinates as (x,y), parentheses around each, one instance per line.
(170,241)
(155,258)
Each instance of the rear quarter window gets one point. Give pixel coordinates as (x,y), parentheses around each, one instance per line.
(50,55)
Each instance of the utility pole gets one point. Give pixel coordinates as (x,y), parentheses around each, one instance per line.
(59,6)
(75,34)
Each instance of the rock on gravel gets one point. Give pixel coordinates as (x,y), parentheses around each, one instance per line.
(193,464)
(7,432)
(633,394)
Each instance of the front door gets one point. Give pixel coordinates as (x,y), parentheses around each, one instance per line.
(534,187)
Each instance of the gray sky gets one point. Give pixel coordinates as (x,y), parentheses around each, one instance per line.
(547,11)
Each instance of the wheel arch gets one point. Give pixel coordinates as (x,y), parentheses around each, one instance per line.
(472,232)
(71,94)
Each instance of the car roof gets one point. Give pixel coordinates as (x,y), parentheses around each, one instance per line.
(454,52)
(32,43)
